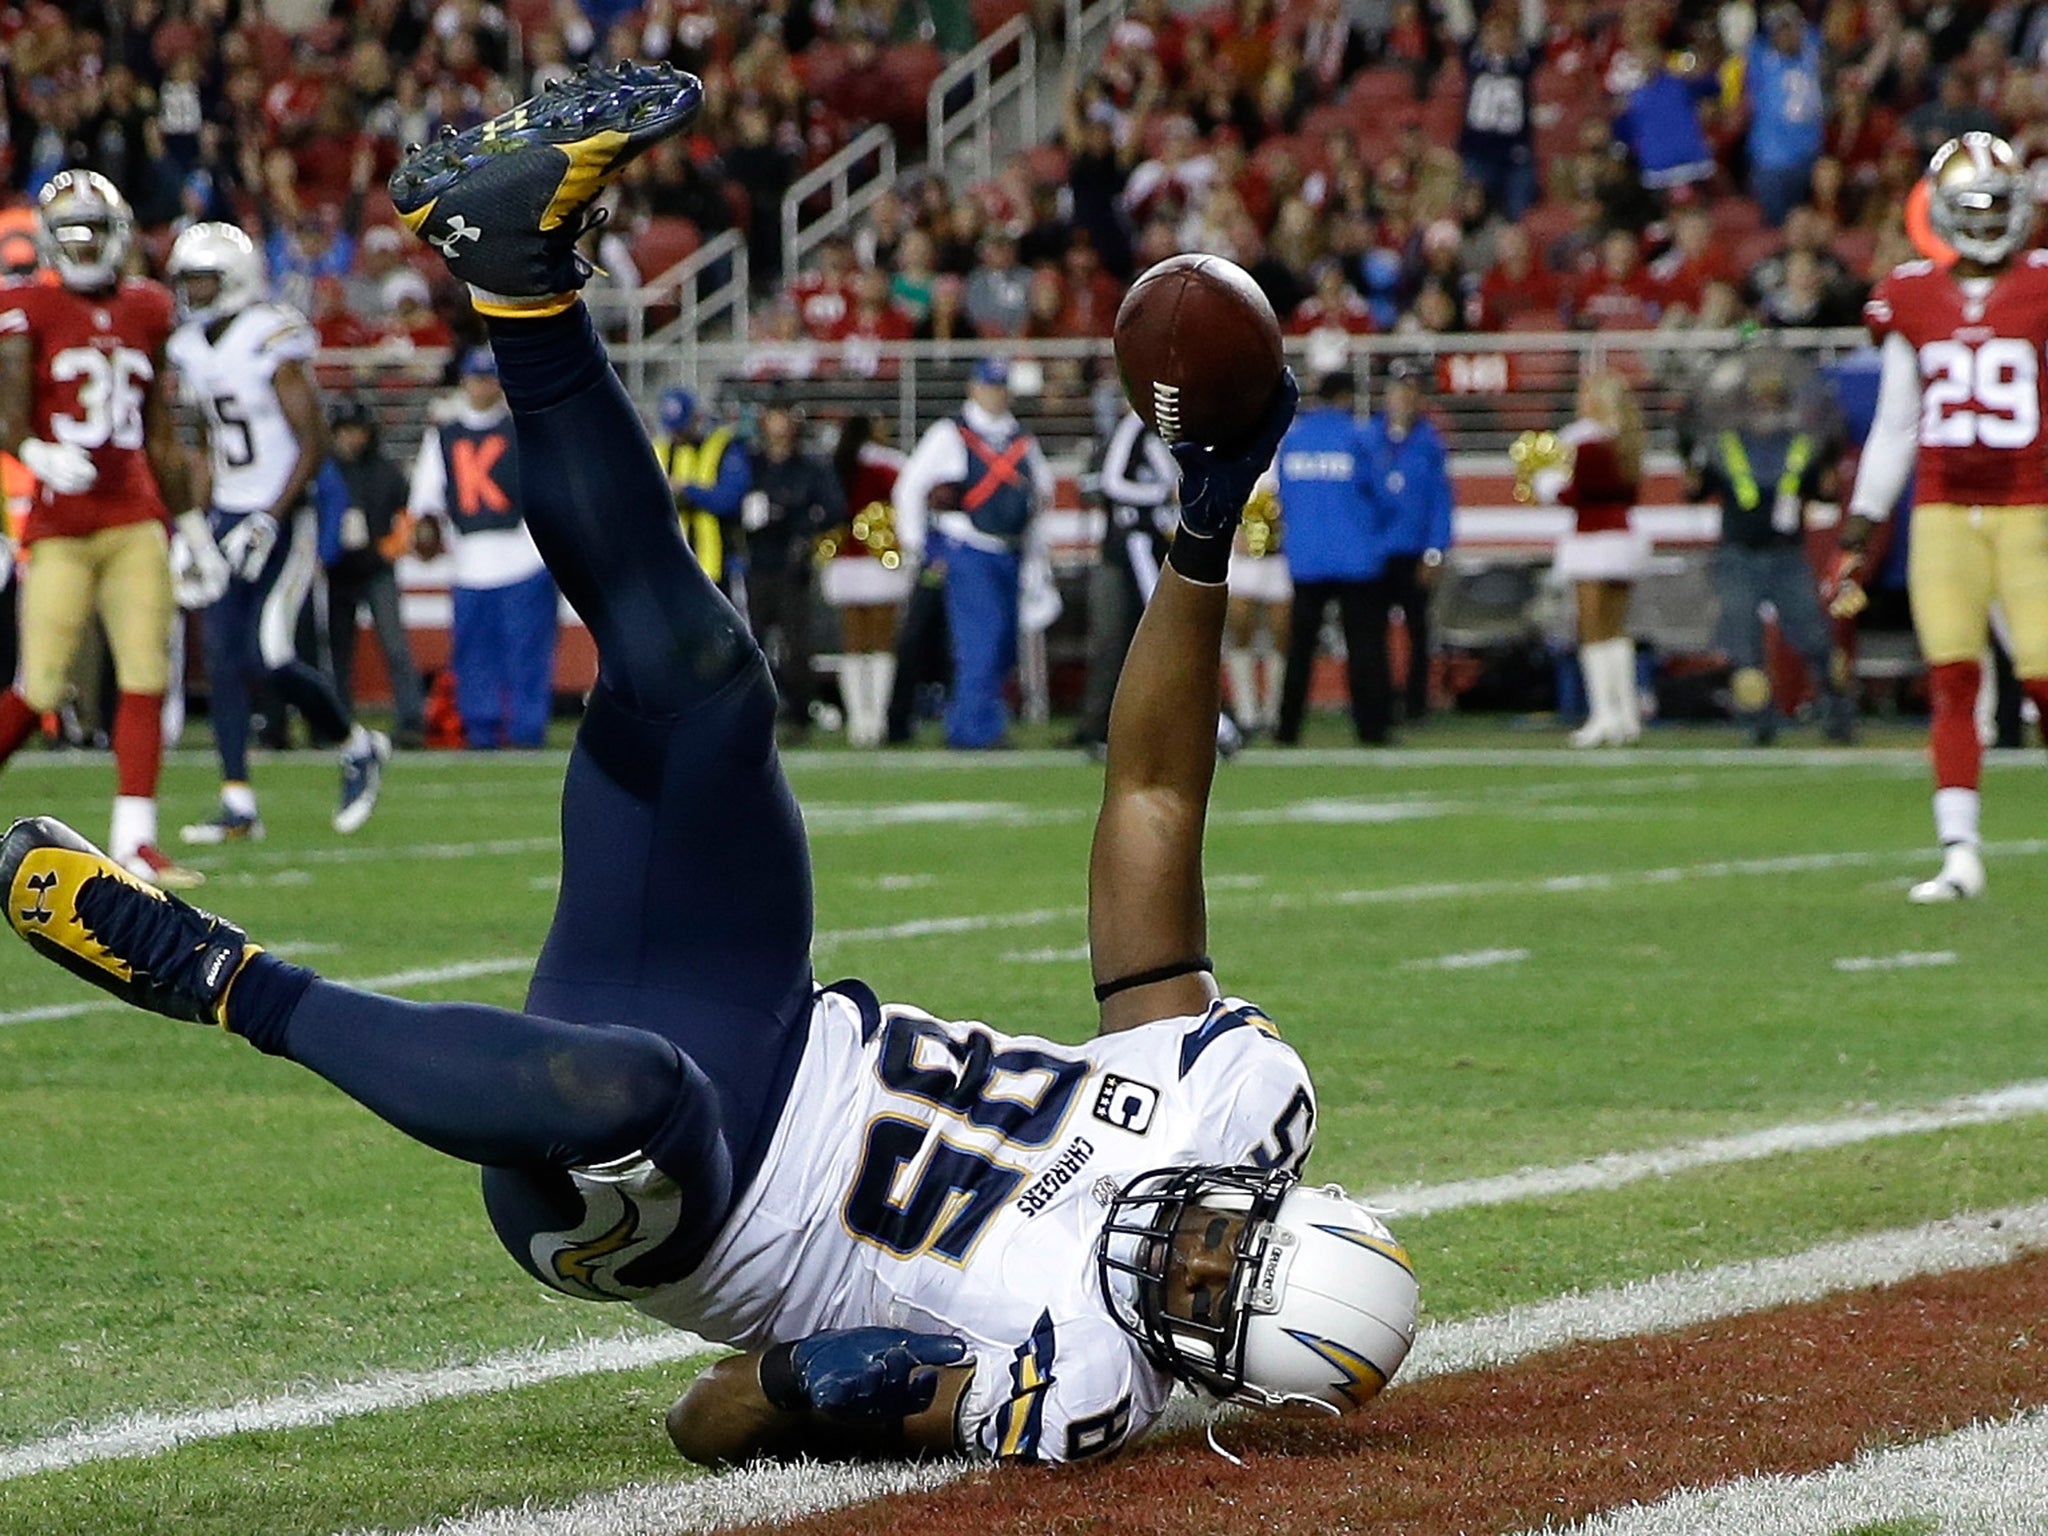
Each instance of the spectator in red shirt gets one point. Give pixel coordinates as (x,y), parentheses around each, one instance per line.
(1517,284)
(823,296)
(1333,304)
(1694,260)
(873,318)
(1619,294)
(336,323)
(1092,294)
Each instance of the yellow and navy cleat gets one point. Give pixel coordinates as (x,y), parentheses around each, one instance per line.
(76,906)
(505,202)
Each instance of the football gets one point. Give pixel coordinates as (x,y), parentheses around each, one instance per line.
(1198,349)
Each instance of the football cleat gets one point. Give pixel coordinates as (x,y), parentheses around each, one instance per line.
(151,863)
(505,202)
(226,827)
(1961,878)
(362,775)
(74,905)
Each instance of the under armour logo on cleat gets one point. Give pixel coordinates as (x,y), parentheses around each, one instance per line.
(42,885)
(459,229)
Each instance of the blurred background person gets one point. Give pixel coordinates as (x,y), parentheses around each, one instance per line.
(1603,556)
(710,473)
(1497,136)
(865,577)
(375,529)
(1762,462)
(1336,554)
(1256,625)
(1139,482)
(794,499)
(465,491)
(968,499)
(247,365)
(1411,476)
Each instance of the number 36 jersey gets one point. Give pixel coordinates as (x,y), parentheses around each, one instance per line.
(231,377)
(946,1178)
(1983,377)
(94,359)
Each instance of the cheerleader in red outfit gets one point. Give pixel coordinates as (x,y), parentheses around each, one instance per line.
(1604,555)
(866,578)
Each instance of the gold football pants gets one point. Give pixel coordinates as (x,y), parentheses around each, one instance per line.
(1961,559)
(122,573)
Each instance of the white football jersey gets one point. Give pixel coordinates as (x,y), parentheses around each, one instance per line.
(253,447)
(946,1178)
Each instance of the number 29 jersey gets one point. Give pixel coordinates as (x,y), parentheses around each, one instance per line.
(945,1178)
(1983,385)
(94,360)
(231,378)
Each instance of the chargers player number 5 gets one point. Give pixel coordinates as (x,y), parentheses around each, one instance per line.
(1988,393)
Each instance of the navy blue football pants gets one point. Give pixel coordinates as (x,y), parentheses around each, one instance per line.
(251,635)
(668,1008)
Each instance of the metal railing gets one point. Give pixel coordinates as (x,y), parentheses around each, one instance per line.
(1489,386)
(1086,26)
(975,120)
(848,203)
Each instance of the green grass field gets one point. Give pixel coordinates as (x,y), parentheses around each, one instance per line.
(1489,960)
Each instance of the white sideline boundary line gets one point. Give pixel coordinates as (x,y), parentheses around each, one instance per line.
(151,1434)
(1660,1305)
(1617,1169)
(1038,917)
(1981,1481)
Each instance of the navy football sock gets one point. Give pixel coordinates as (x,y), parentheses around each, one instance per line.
(483,1084)
(601,511)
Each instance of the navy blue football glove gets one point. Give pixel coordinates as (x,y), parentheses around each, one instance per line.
(882,1373)
(1213,486)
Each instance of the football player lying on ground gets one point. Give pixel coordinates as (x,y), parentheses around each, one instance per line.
(927,1236)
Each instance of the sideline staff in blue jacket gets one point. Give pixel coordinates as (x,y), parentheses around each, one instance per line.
(1413,483)
(1336,547)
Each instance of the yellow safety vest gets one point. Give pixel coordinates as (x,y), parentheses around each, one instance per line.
(1743,478)
(694,467)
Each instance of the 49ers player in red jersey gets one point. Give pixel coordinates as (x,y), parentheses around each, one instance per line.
(1962,396)
(83,406)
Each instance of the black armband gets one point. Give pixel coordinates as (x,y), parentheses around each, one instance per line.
(1109,989)
(780,1383)
(1206,560)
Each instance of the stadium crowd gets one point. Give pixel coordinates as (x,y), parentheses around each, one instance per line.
(1379,165)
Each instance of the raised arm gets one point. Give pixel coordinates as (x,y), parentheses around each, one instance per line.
(1148,927)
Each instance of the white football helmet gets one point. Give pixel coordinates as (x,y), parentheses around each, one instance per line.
(85,228)
(1319,1309)
(1981,203)
(224,252)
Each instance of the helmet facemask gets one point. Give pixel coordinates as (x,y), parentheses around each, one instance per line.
(85,230)
(1166,1223)
(1981,204)
(1254,1288)
(225,254)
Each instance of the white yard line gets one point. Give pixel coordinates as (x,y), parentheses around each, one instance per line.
(1617,1169)
(393,981)
(1688,1297)
(689,1507)
(1232,894)
(1905,960)
(1982,1481)
(151,1434)
(1659,1305)
(1469,960)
